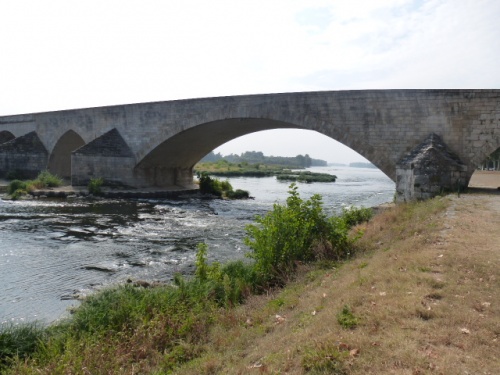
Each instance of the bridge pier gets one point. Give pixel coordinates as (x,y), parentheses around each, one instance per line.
(23,157)
(164,177)
(429,170)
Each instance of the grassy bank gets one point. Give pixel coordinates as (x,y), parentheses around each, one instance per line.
(416,294)
(146,330)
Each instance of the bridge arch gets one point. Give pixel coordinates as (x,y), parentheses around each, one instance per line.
(60,158)
(171,162)
(6,136)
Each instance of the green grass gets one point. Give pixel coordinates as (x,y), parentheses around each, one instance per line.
(18,188)
(346,318)
(95,186)
(18,341)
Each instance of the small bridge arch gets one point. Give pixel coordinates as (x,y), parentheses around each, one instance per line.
(60,157)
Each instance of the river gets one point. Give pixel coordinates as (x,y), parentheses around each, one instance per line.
(52,251)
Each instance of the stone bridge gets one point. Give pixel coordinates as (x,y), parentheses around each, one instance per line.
(157,144)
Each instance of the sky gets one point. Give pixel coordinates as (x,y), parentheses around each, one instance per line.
(60,54)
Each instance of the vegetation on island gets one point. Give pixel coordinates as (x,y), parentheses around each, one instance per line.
(220,189)
(17,188)
(131,329)
(257,157)
(227,169)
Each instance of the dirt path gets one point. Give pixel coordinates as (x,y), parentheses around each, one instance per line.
(485,179)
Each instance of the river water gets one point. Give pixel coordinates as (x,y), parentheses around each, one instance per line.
(54,250)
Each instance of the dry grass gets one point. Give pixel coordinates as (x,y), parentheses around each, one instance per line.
(425,292)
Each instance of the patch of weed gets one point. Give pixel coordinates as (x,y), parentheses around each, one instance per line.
(346,318)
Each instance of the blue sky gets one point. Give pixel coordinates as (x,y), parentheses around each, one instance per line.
(59,54)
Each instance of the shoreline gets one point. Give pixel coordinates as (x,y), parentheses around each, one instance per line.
(481,181)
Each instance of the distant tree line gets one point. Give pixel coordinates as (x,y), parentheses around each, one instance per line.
(361,165)
(257,157)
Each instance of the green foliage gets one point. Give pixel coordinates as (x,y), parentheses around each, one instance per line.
(47,179)
(238,194)
(346,318)
(95,186)
(19,341)
(296,232)
(353,215)
(18,188)
(209,185)
(214,186)
(16,185)
(228,284)
(307,177)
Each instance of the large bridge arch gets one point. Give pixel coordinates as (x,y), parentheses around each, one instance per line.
(172,160)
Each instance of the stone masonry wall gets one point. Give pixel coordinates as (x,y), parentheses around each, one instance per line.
(23,157)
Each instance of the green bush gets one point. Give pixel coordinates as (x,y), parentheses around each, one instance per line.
(214,186)
(17,188)
(353,215)
(95,186)
(238,194)
(298,231)
(16,185)
(209,185)
(47,179)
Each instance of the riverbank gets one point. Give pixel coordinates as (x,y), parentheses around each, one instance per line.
(419,298)
(424,297)
(107,192)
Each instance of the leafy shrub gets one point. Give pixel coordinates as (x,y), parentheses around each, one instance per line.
(16,185)
(214,186)
(296,232)
(209,185)
(95,185)
(238,194)
(17,188)
(47,179)
(353,215)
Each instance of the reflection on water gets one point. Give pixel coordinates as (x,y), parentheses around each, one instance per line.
(52,251)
